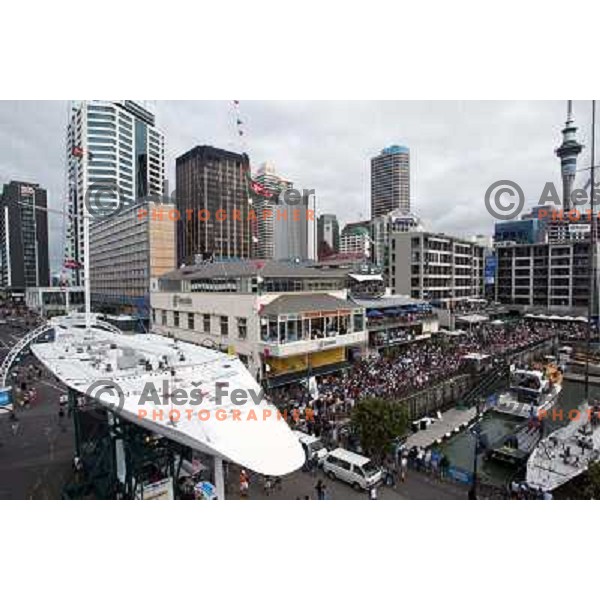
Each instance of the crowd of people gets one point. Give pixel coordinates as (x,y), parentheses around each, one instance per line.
(420,365)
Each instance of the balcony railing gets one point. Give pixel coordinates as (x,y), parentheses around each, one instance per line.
(285,348)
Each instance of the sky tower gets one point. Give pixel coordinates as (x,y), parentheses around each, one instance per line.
(567,152)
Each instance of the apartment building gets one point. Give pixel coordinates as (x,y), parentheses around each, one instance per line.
(550,276)
(436,267)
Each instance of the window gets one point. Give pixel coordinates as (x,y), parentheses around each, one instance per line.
(224,326)
(358,321)
(206,323)
(164,317)
(242,328)
(176,318)
(154,315)
(190,320)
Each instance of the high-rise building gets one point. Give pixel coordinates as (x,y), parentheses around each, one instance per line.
(23,237)
(568,152)
(293,225)
(328,236)
(115,157)
(264,226)
(390,181)
(213,202)
(128,253)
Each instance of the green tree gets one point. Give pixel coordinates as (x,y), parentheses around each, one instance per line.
(592,481)
(377,423)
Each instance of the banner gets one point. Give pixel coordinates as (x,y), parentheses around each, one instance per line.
(491,262)
(161,490)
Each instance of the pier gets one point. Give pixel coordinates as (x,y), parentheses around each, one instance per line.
(452,421)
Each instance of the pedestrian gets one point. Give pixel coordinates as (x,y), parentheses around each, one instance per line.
(268,485)
(403,468)
(320,488)
(244,483)
(373,493)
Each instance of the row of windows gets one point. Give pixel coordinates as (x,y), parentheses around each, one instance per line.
(193,322)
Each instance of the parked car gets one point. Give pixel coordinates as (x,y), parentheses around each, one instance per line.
(359,471)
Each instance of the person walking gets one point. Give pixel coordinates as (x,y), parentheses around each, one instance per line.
(373,493)
(403,468)
(320,488)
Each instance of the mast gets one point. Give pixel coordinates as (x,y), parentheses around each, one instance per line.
(86,231)
(593,269)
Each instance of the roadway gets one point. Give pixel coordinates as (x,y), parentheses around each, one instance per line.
(36,450)
(300,484)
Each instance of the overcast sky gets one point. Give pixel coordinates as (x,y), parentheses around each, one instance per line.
(457,149)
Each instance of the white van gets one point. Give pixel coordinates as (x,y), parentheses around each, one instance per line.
(352,468)
(313,446)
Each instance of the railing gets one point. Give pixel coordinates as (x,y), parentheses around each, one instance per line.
(19,347)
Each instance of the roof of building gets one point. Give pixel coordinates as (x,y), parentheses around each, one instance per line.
(298,303)
(388,302)
(248,268)
(395,149)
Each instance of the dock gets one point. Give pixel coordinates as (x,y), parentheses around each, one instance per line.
(452,421)
(580,378)
(516,447)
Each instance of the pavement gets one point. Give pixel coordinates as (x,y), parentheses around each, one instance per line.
(37,449)
(299,485)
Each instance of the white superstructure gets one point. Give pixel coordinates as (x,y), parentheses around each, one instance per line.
(531,392)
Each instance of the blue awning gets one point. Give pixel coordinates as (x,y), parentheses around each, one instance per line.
(374,313)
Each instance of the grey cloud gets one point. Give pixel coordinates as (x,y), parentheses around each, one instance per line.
(457,149)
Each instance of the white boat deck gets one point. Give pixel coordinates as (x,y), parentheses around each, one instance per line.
(559,457)
(451,422)
(116,370)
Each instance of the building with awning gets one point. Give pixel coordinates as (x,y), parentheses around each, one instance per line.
(283,320)
(309,334)
(397,319)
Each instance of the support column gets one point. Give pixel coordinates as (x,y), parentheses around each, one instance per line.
(219,479)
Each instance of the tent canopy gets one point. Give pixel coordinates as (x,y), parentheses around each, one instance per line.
(471,319)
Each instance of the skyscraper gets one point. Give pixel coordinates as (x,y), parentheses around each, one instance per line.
(115,155)
(213,203)
(290,231)
(568,152)
(328,236)
(390,181)
(23,236)
(264,230)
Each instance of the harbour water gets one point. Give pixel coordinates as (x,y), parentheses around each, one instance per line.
(459,449)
